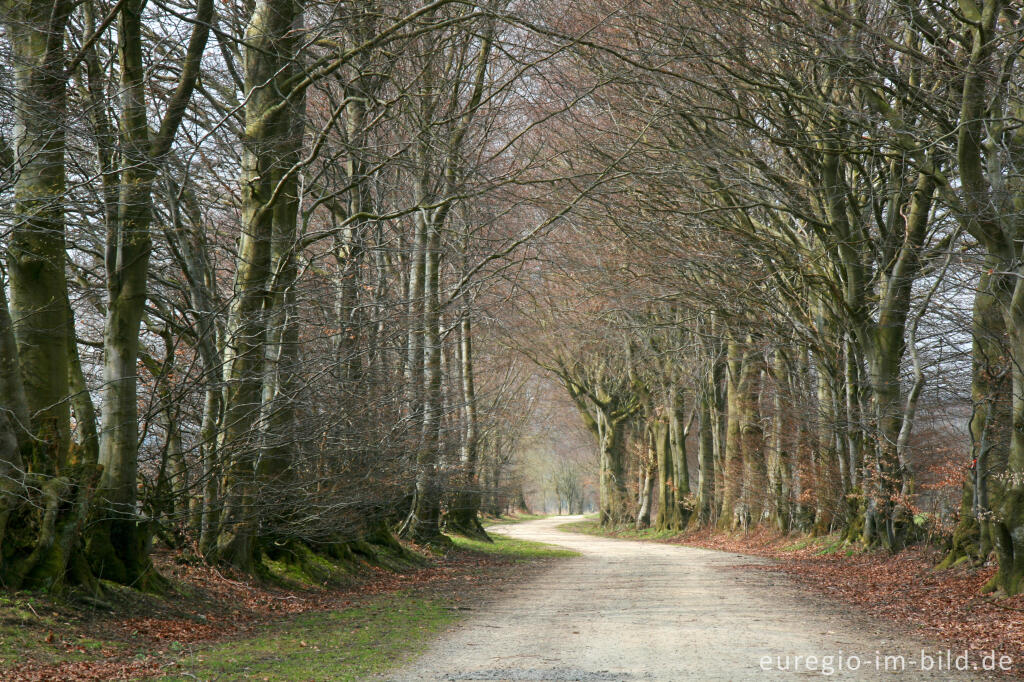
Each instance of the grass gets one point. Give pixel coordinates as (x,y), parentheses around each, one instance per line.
(507,520)
(519,550)
(369,638)
(337,645)
(30,625)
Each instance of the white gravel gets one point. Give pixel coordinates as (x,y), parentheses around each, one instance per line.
(644,611)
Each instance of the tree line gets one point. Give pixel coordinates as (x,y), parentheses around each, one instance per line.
(248,252)
(806,268)
(264,264)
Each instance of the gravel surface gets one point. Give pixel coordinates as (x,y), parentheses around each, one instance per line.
(629,610)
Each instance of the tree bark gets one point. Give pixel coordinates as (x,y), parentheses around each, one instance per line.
(117,545)
(464,514)
(752,437)
(732,462)
(268,156)
(678,430)
(36,251)
(706,459)
(423,524)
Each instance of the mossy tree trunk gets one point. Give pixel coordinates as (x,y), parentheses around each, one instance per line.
(269,155)
(47,483)
(989,426)
(678,426)
(605,402)
(613,489)
(988,206)
(281,440)
(36,251)
(668,516)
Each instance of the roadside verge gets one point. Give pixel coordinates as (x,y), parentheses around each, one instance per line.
(217,628)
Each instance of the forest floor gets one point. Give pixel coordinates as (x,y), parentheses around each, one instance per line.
(903,588)
(211,626)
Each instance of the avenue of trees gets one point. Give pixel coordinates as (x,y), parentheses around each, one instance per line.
(806,269)
(279,276)
(247,252)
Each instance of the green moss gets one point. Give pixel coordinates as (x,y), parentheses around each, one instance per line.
(489,521)
(25,628)
(827,543)
(835,546)
(520,550)
(591,526)
(302,568)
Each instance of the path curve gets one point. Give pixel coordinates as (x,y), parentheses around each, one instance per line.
(628,610)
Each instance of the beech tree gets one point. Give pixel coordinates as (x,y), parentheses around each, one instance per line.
(272,272)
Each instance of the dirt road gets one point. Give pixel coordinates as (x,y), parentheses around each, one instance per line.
(644,611)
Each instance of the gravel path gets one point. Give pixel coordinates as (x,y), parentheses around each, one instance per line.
(644,611)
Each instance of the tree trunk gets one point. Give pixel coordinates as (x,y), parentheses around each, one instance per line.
(825,457)
(36,251)
(643,515)
(1008,526)
(189,244)
(47,487)
(719,435)
(779,476)
(983,194)
(706,459)
(117,545)
(752,437)
(14,421)
(732,463)
(668,517)
(677,448)
(613,486)
(268,155)
(988,426)
(423,524)
(464,514)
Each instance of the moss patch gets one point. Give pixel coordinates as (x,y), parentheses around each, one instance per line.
(519,550)
(30,627)
(489,521)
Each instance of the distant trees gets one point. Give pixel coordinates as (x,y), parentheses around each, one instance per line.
(810,192)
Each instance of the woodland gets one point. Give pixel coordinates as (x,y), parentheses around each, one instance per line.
(287,279)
